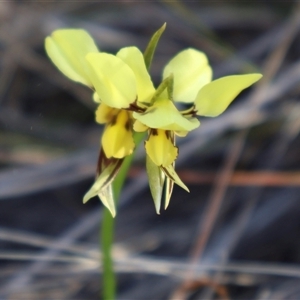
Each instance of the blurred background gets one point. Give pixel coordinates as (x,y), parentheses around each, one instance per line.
(235,236)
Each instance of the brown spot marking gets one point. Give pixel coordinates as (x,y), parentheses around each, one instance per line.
(128,124)
(113,120)
(135,107)
(153,131)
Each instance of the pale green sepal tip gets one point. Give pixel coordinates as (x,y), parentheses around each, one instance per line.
(170,172)
(107,198)
(102,186)
(105,195)
(169,184)
(88,195)
(149,52)
(156,182)
(215,97)
(99,184)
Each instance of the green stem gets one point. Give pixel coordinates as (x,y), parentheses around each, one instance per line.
(107,230)
(106,238)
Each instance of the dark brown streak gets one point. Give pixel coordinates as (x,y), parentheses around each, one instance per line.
(153,131)
(192,112)
(167,173)
(114,172)
(134,107)
(128,124)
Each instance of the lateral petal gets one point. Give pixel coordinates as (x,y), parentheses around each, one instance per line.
(191,72)
(67,49)
(216,96)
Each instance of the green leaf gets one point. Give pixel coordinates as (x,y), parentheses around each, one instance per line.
(215,97)
(156,182)
(149,52)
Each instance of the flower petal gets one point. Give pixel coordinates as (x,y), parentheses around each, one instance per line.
(139,127)
(215,97)
(113,80)
(160,148)
(104,113)
(164,115)
(191,72)
(67,49)
(133,57)
(117,140)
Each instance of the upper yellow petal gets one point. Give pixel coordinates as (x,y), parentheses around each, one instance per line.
(191,72)
(164,115)
(133,57)
(113,80)
(117,139)
(67,49)
(215,97)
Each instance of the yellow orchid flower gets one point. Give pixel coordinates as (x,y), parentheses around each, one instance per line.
(163,121)
(187,79)
(128,101)
(119,82)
